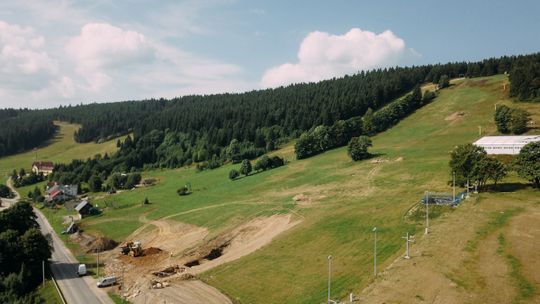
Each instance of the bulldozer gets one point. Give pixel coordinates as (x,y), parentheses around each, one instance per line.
(133,249)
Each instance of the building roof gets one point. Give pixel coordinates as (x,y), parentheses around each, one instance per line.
(55,193)
(43,165)
(81,205)
(507,140)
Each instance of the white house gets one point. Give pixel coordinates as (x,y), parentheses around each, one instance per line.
(505,144)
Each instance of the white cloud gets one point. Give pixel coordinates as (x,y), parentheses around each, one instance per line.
(323,56)
(101,47)
(23,61)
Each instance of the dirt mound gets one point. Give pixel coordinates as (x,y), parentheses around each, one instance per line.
(92,243)
(169,271)
(152,250)
(300,198)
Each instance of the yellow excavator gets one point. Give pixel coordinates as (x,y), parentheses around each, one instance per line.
(133,249)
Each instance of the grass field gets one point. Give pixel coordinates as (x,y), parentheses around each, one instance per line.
(346,200)
(61,149)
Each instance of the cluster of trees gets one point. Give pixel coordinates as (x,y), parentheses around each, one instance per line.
(123,181)
(527,163)
(100,173)
(471,163)
(263,118)
(22,250)
(23,130)
(323,138)
(36,195)
(5,191)
(264,163)
(21,178)
(213,129)
(358,147)
(525,78)
(511,120)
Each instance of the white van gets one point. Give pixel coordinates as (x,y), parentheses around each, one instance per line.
(107,281)
(81,270)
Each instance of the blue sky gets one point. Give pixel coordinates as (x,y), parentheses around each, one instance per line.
(59,52)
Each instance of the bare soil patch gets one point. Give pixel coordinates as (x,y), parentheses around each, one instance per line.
(169,235)
(90,243)
(454,117)
(160,275)
(241,241)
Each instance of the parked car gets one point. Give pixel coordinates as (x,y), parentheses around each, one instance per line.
(107,281)
(81,270)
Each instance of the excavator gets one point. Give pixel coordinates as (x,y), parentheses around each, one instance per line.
(133,249)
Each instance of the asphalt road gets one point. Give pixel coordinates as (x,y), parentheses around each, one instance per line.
(64,268)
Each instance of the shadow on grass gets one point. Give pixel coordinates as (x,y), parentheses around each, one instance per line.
(508,187)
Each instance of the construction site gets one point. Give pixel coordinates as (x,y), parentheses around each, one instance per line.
(161,260)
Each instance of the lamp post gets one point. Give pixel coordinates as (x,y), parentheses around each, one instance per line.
(329,275)
(375,253)
(453,187)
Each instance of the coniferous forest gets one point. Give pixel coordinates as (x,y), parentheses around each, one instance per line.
(212,129)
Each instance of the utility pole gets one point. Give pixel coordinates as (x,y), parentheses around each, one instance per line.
(97,262)
(467,188)
(427,213)
(407,241)
(329,276)
(43,270)
(453,187)
(375,253)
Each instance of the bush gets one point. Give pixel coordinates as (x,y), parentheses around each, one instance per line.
(358,147)
(246,167)
(233,174)
(4,191)
(183,191)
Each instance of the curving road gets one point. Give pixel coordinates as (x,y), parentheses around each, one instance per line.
(64,266)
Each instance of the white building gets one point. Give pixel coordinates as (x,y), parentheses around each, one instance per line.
(505,144)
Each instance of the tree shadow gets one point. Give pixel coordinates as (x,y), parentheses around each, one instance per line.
(374,155)
(508,187)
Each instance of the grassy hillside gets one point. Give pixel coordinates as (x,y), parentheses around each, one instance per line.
(61,149)
(344,201)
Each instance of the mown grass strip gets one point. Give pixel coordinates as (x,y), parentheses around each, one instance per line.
(525,287)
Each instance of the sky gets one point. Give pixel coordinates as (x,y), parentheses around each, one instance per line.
(61,52)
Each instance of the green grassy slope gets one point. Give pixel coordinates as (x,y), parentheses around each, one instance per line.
(359,196)
(61,149)
(346,199)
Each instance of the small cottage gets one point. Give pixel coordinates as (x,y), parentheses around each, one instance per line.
(42,167)
(84,208)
